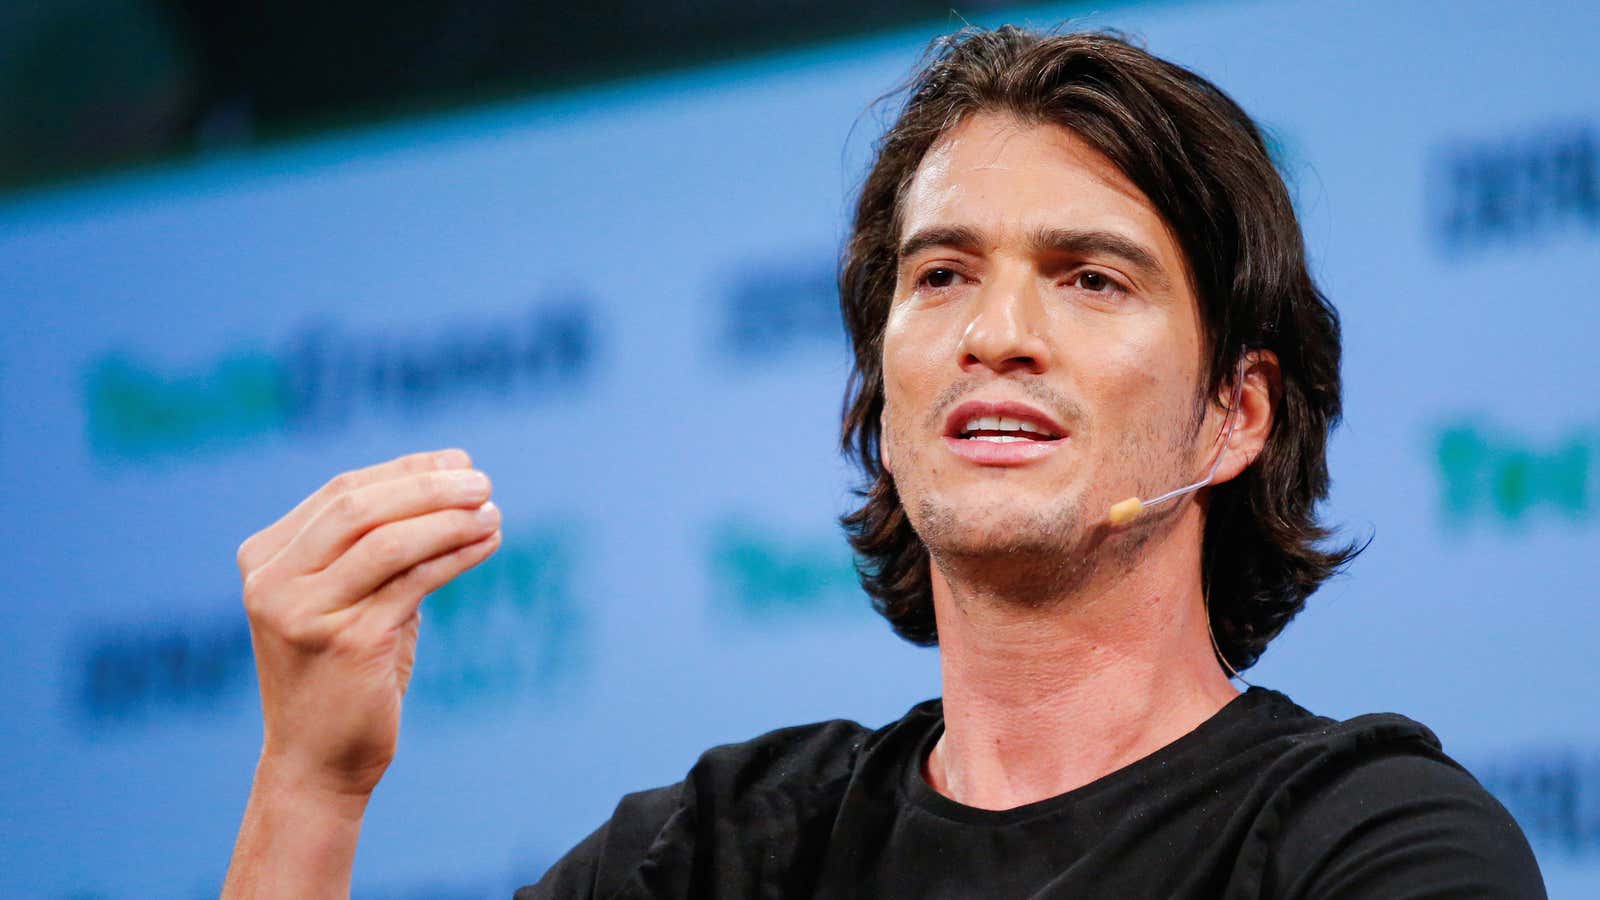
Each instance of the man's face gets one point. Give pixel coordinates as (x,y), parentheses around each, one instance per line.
(1043,347)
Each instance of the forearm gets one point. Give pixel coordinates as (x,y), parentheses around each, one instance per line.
(296,840)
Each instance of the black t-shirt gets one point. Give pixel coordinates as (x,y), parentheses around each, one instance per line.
(1261,800)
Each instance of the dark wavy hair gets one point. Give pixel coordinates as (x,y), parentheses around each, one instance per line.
(1203,164)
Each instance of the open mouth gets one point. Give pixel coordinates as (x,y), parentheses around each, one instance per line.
(1002,433)
(1004,430)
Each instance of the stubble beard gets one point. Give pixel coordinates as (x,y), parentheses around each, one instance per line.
(1041,554)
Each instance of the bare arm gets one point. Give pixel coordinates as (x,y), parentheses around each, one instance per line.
(333,592)
(296,841)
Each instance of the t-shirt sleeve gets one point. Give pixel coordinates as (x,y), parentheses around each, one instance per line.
(739,821)
(1403,825)
(599,863)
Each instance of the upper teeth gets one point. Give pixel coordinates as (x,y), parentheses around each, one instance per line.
(1001,423)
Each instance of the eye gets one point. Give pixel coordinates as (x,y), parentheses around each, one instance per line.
(1097,283)
(938,277)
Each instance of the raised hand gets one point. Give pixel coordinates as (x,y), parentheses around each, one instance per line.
(333,592)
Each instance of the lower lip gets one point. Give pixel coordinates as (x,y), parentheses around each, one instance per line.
(1010,453)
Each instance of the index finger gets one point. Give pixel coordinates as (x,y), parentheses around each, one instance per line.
(267,543)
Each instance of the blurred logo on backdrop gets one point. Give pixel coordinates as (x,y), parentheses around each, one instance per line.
(1498,476)
(326,376)
(762,576)
(1517,186)
(1554,795)
(511,627)
(769,310)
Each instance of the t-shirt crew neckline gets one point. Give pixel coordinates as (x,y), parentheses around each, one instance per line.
(916,790)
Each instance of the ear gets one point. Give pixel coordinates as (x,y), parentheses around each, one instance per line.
(1252,421)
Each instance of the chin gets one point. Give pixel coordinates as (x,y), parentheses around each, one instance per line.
(1029,555)
(995,528)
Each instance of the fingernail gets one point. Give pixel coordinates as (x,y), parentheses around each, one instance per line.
(451,459)
(487,513)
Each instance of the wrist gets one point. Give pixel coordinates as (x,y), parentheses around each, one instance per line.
(280,781)
(298,838)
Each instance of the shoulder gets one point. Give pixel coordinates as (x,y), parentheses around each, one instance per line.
(736,799)
(804,764)
(815,753)
(1373,807)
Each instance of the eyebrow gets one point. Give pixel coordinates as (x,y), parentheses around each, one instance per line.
(959,237)
(1075,241)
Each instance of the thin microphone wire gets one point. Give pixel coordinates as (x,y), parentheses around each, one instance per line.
(1205,595)
(1233,409)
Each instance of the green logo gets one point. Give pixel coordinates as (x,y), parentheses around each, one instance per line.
(1489,475)
(760,576)
(134,411)
(323,377)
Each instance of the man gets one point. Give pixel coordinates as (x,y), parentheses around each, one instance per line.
(1075,286)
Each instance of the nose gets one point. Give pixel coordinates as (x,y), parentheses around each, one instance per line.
(1005,331)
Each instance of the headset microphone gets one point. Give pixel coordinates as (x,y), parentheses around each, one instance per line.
(1126,511)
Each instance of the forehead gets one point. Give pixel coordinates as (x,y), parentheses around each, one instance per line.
(1009,178)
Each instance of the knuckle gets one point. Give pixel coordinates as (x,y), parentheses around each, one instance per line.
(302,631)
(252,606)
(348,507)
(426,576)
(387,549)
(254,602)
(407,587)
(341,483)
(246,554)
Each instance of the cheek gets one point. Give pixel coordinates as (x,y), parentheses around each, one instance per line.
(907,370)
(1130,398)
(1136,379)
(905,400)
(920,346)
(897,343)
(1154,417)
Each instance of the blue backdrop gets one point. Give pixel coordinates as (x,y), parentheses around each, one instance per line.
(620,300)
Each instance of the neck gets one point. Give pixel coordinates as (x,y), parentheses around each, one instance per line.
(1041,698)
